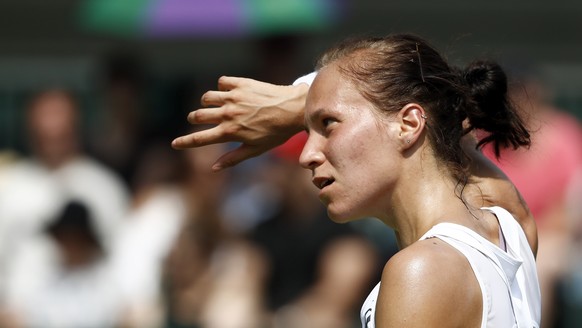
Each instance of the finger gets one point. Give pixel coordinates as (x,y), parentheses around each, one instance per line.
(214,98)
(205,116)
(236,156)
(226,83)
(201,138)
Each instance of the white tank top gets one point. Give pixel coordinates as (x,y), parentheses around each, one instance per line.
(508,278)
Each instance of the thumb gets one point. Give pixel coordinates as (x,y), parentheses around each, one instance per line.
(236,156)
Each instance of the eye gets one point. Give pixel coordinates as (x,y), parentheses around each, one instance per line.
(326,122)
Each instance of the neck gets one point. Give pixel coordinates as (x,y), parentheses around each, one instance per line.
(426,196)
(425,209)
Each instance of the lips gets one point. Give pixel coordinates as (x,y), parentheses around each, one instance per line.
(321,182)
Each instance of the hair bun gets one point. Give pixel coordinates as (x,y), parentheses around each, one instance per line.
(491,111)
(487,84)
(487,90)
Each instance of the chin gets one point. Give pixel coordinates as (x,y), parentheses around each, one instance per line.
(340,217)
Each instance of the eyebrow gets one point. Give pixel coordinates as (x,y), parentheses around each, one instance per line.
(314,117)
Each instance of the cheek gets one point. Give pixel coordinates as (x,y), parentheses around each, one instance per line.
(367,152)
(369,167)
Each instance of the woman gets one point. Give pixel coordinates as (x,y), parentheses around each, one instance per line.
(386,118)
(262,116)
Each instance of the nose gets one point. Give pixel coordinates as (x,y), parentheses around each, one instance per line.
(311,156)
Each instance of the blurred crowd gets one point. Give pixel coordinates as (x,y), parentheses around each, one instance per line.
(111,227)
(105,225)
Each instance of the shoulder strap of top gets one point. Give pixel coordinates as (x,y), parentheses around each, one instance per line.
(515,237)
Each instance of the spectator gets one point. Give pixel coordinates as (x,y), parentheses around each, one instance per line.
(34,189)
(64,280)
(56,145)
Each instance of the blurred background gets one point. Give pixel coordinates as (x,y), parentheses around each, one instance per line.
(102,224)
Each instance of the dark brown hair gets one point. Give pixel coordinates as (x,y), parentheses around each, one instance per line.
(398,69)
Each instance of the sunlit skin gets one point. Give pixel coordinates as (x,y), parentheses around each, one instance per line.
(364,165)
(348,145)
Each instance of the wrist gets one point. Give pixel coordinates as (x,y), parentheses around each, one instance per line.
(297,108)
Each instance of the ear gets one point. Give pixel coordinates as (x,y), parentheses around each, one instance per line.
(412,119)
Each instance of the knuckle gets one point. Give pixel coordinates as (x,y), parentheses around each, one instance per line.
(232,129)
(234,96)
(229,111)
(193,117)
(243,82)
(204,99)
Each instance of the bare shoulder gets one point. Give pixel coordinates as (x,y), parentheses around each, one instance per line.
(429,284)
(495,189)
(502,192)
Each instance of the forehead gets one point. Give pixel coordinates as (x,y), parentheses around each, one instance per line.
(332,90)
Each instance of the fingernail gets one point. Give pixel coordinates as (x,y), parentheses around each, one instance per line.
(216,167)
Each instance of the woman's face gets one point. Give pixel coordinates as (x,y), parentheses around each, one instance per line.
(351,149)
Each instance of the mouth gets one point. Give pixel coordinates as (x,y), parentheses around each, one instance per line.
(322,182)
